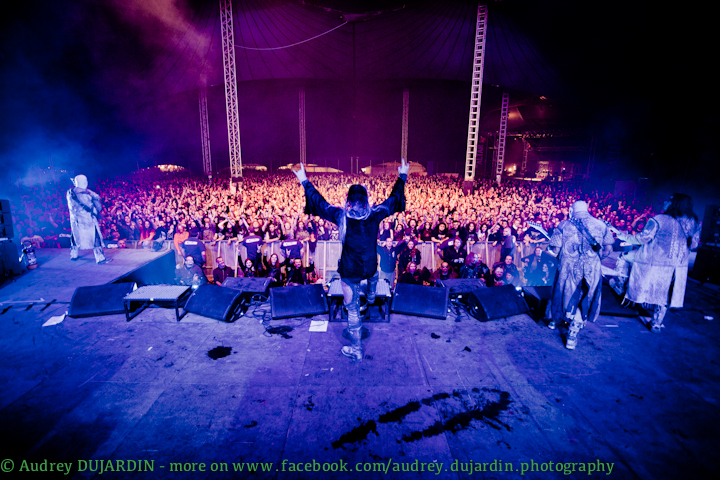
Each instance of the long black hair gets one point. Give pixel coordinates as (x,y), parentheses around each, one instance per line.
(357,196)
(681,205)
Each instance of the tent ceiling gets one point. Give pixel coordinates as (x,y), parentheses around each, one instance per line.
(430,40)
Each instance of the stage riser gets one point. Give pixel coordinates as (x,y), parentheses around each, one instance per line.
(160,271)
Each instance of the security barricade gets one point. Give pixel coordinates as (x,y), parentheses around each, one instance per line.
(327,254)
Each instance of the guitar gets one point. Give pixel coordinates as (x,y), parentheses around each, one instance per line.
(625,245)
(617,232)
(539,228)
(94,209)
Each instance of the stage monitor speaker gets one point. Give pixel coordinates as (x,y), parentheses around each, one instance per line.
(215,302)
(9,259)
(538,299)
(298,301)
(461,286)
(160,271)
(421,301)
(6,224)
(710,232)
(99,300)
(496,302)
(707,265)
(249,285)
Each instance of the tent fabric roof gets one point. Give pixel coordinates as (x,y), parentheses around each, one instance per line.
(433,40)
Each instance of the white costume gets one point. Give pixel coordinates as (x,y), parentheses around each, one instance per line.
(659,271)
(85,206)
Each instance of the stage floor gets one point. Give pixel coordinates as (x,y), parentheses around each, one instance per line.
(57,276)
(448,394)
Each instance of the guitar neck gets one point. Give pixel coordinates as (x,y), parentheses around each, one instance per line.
(539,228)
(613,229)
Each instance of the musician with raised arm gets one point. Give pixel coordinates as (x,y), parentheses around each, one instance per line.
(85,206)
(358,224)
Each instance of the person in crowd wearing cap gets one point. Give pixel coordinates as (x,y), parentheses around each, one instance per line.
(359,224)
(85,207)
(659,271)
(580,242)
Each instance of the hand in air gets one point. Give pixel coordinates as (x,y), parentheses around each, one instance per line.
(300,173)
(404,167)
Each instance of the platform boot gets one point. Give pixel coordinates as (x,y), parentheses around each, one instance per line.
(658,317)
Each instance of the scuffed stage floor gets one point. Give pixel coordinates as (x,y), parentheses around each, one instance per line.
(456,394)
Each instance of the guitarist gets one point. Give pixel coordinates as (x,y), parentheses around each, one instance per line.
(85,206)
(581,241)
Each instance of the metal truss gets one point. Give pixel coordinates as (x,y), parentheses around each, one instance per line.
(303,131)
(501,137)
(476,93)
(405,115)
(205,132)
(231,103)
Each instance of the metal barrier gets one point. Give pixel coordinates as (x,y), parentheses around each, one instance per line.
(327,254)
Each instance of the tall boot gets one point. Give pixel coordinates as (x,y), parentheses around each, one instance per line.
(100,256)
(658,317)
(354,350)
(575,327)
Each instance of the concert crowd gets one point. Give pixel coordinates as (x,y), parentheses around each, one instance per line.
(147,212)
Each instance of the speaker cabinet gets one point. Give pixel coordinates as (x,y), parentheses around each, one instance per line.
(214,302)
(537,299)
(496,302)
(9,259)
(461,286)
(252,286)
(707,265)
(298,301)
(710,232)
(99,300)
(421,301)
(6,224)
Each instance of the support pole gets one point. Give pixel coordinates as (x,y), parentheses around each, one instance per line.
(405,115)
(205,133)
(475,97)
(303,148)
(526,149)
(231,104)
(501,137)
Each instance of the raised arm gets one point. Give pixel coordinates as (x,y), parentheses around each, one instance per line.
(396,201)
(315,204)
